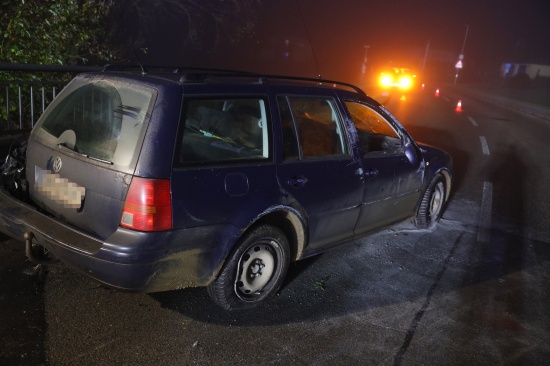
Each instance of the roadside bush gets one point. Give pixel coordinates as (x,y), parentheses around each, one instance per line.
(520,81)
(542,82)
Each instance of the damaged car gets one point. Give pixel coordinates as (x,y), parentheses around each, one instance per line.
(161,180)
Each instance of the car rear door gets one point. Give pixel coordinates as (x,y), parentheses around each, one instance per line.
(318,169)
(224,172)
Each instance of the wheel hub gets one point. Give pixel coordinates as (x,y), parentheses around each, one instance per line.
(255,270)
(256,267)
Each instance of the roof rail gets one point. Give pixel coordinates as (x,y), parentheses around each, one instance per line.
(315,80)
(189,74)
(199,74)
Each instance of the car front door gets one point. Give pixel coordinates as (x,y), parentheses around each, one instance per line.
(392,169)
(318,170)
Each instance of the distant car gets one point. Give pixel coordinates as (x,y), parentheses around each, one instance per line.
(399,79)
(160,181)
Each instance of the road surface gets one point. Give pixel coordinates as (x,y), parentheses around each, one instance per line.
(474,290)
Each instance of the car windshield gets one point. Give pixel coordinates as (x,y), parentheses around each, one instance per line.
(101,120)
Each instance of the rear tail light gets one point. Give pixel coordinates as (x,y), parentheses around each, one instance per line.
(148,205)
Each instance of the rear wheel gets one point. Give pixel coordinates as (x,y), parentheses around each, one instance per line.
(431,206)
(254,271)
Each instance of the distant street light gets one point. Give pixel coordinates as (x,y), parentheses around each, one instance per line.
(425,55)
(465,36)
(364,67)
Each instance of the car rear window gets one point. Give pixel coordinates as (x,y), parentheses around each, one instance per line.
(224,129)
(102,120)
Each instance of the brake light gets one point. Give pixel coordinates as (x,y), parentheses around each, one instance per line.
(148,205)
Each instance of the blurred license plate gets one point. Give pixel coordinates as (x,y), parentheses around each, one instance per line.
(59,190)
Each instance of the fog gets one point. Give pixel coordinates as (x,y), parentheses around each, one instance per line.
(328,38)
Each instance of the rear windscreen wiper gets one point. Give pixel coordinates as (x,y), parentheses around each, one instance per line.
(97,159)
(85,155)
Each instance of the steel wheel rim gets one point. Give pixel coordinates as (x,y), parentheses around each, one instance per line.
(256,269)
(436,201)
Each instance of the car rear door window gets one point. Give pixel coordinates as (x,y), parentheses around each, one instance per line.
(225,129)
(315,124)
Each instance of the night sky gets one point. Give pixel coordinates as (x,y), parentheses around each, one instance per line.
(328,37)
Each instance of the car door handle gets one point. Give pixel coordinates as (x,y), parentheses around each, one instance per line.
(297,181)
(371,173)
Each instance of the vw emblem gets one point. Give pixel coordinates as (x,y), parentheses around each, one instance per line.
(57,163)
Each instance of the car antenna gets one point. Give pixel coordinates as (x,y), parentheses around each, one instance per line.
(309,39)
(143,72)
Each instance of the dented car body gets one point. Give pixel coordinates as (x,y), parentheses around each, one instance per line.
(152,182)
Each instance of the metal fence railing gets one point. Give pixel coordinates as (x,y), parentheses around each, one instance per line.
(26,90)
(22,102)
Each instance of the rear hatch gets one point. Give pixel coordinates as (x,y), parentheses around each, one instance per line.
(83,151)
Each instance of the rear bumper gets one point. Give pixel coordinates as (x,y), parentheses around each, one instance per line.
(127,260)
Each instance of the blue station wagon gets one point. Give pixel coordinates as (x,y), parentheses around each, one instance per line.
(171,179)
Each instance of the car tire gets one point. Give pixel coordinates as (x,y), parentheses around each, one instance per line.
(254,271)
(431,207)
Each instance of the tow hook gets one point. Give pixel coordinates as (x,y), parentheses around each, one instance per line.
(28,236)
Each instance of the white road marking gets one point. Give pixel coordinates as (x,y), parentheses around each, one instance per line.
(484,145)
(474,123)
(446,99)
(484,231)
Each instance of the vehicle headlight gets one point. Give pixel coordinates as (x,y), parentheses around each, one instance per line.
(386,80)
(405,82)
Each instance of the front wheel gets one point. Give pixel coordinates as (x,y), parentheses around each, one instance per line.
(254,271)
(431,206)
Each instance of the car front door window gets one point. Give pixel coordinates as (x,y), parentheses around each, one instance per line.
(375,134)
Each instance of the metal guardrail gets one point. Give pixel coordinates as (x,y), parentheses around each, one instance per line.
(22,100)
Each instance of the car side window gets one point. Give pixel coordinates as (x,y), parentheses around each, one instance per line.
(315,124)
(376,134)
(225,129)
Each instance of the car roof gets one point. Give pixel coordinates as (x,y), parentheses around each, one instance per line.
(188,75)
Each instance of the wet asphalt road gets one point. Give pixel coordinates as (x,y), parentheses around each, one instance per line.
(22,322)
(474,290)
(401,297)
